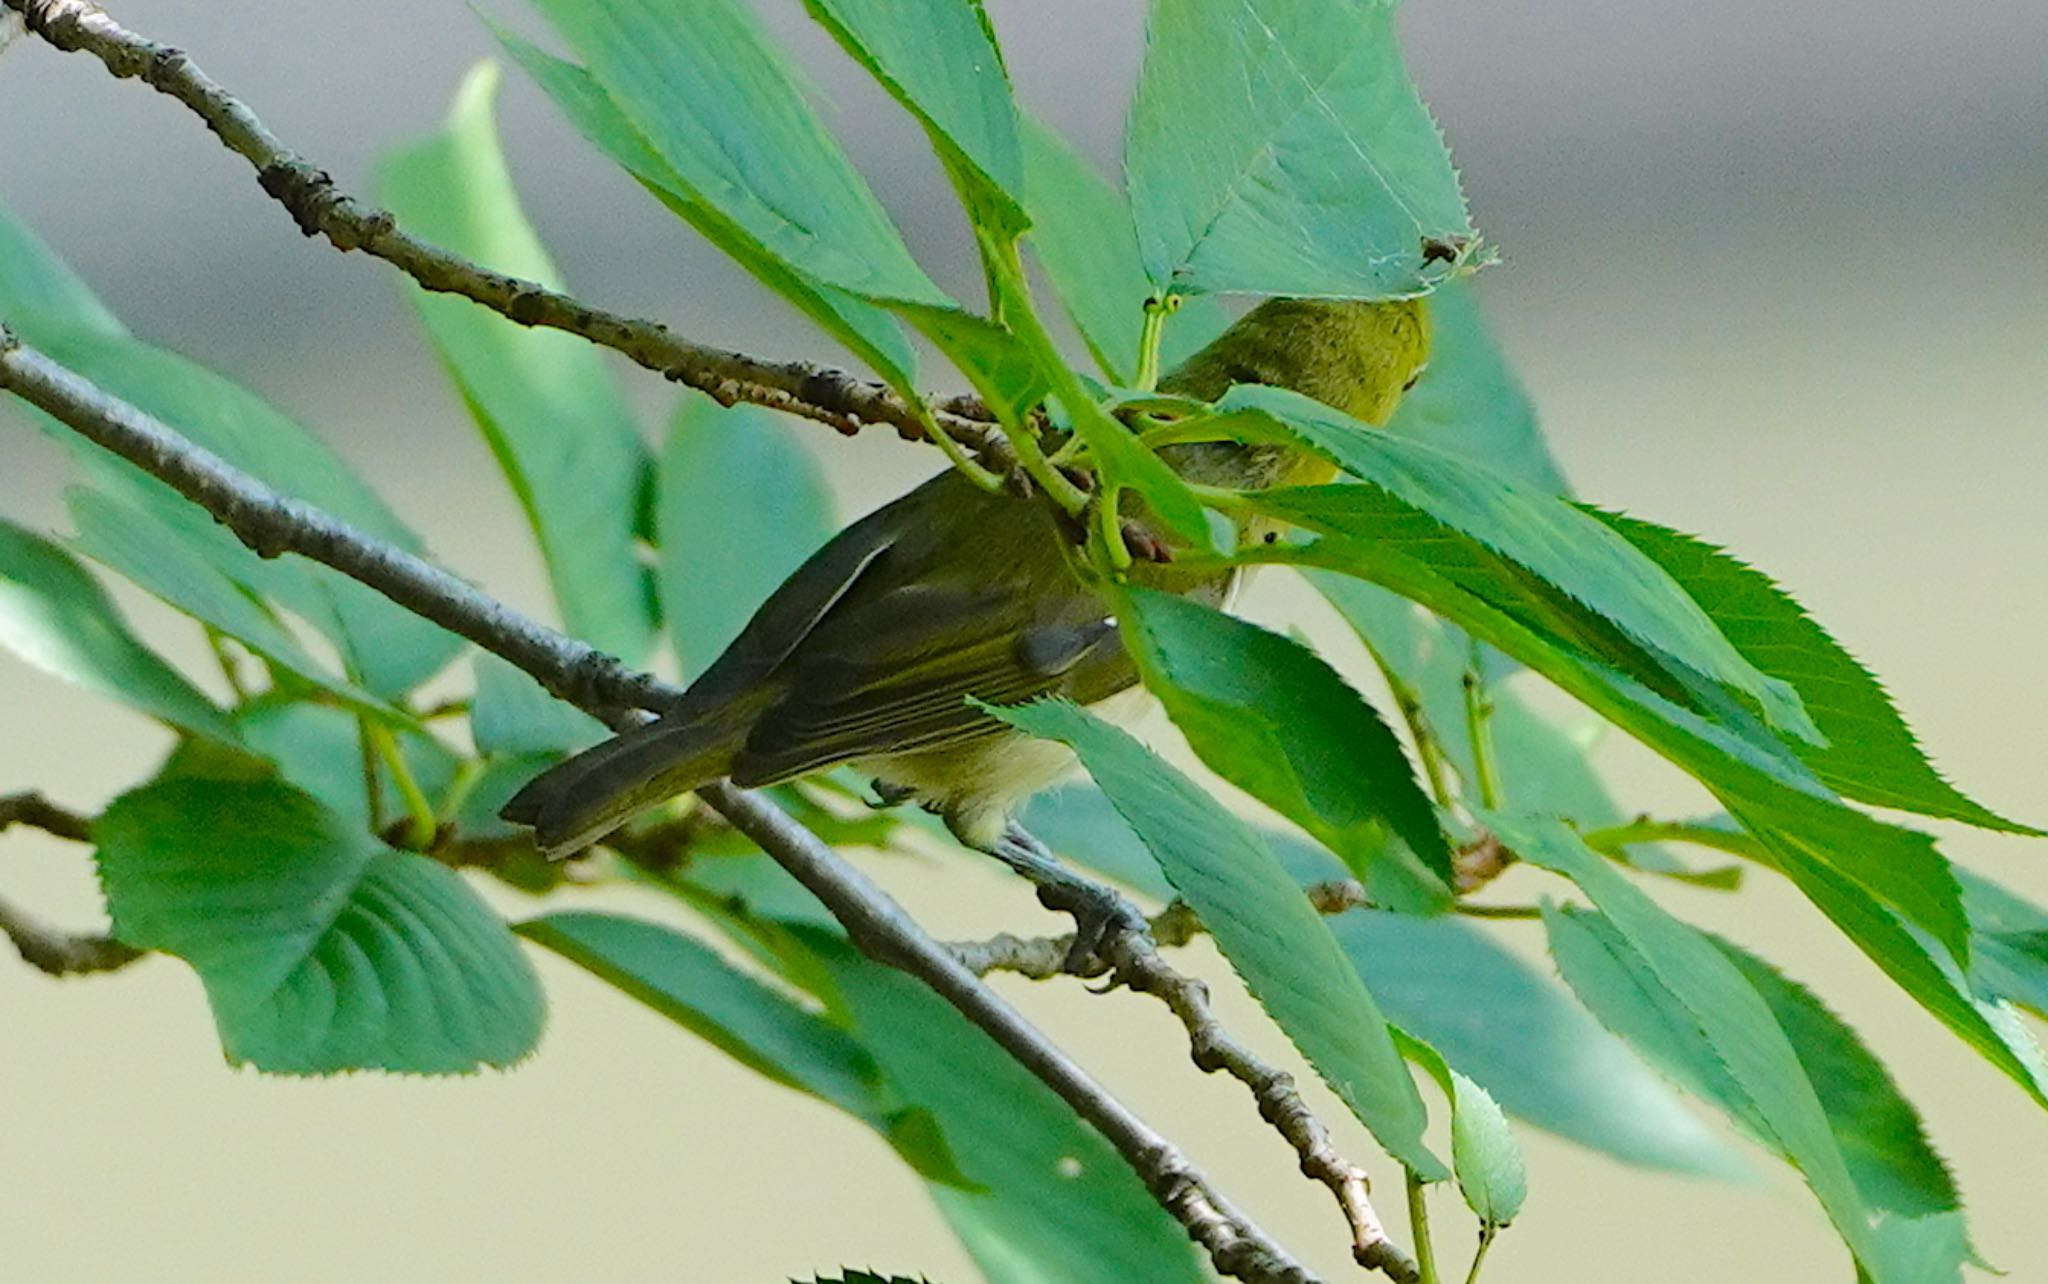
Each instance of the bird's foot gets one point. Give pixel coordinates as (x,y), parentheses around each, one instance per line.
(889,795)
(1101,914)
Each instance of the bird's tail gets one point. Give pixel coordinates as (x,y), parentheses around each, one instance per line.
(576,802)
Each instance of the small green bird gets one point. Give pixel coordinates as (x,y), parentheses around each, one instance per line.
(869,652)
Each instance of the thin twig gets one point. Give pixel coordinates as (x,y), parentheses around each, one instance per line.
(272,523)
(1133,960)
(37,812)
(833,397)
(62,953)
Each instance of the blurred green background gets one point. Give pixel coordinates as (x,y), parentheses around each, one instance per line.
(1772,273)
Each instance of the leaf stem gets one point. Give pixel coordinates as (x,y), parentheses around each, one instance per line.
(1486,1237)
(1427,746)
(420,822)
(467,774)
(1418,1229)
(1157,309)
(1643,829)
(229,669)
(1478,726)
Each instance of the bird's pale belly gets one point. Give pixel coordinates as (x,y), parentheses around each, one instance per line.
(976,784)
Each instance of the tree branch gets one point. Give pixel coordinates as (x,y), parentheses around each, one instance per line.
(37,812)
(320,208)
(271,524)
(61,953)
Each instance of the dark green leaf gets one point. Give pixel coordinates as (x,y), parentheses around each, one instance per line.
(1278,147)
(871,333)
(1081,231)
(1896,1173)
(704,85)
(1870,755)
(1271,717)
(550,410)
(55,615)
(321,949)
(742,504)
(1536,530)
(1261,921)
(1057,1203)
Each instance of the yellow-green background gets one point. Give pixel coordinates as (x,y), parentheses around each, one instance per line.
(1774,273)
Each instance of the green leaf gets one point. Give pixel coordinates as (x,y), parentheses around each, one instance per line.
(2008,943)
(704,85)
(1469,401)
(1278,147)
(939,59)
(1082,234)
(742,505)
(549,409)
(1895,1170)
(1485,1157)
(1268,715)
(39,291)
(868,331)
(319,748)
(134,543)
(1261,921)
(1865,875)
(1540,532)
(321,949)
(1870,754)
(1056,1202)
(55,615)
(1511,1029)
(747,1020)
(512,715)
(1743,1032)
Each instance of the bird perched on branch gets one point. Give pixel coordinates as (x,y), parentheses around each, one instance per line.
(869,653)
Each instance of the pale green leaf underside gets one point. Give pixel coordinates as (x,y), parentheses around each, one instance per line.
(1278,147)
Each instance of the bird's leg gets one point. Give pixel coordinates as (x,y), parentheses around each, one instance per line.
(1099,912)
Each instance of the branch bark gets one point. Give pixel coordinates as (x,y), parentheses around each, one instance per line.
(271,524)
(309,194)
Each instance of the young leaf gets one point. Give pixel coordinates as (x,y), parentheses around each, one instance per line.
(321,949)
(1278,147)
(1870,754)
(1271,717)
(1740,1028)
(742,504)
(868,331)
(1261,921)
(1081,232)
(1537,531)
(1880,1136)
(55,615)
(544,401)
(1485,1156)
(704,85)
